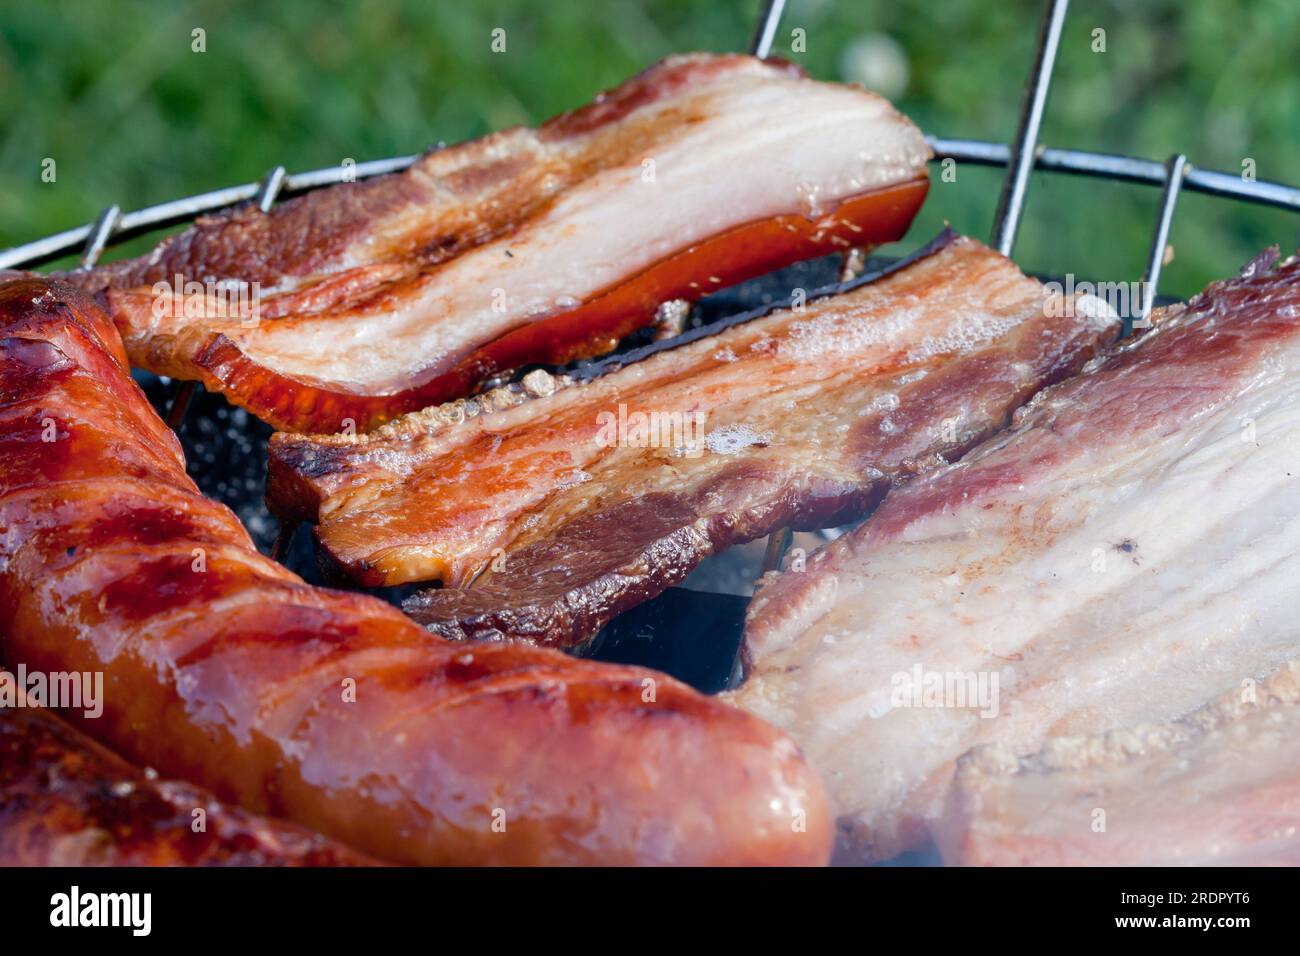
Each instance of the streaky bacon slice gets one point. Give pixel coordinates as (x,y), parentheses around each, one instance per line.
(545,521)
(330,709)
(67,801)
(527,246)
(1219,787)
(1123,555)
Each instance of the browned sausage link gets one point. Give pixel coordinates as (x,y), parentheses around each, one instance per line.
(326,708)
(66,801)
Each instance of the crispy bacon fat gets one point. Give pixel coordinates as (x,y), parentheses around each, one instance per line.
(547,515)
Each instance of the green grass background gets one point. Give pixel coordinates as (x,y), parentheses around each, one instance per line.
(111,90)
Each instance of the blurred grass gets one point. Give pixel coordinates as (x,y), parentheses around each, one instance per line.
(111,90)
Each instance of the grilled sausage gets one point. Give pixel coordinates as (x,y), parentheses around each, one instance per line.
(332,709)
(66,801)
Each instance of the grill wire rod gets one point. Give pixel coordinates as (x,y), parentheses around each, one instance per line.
(765,34)
(1011,204)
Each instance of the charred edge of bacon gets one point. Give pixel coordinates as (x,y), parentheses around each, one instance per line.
(669,544)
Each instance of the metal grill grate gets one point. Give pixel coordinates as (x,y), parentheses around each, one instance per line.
(1021,158)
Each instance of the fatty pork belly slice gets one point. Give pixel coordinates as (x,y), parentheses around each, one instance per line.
(546,519)
(528,246)
(1219,787)
(67,801)
(1124,554)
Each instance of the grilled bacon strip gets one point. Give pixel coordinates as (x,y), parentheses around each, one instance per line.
(527,246)
(67,801)
(544,524)
(326,708)
(1218,787)
(1126,553)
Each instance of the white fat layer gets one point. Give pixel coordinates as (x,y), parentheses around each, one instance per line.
(1131,583)
(1215,789)
(752,158)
